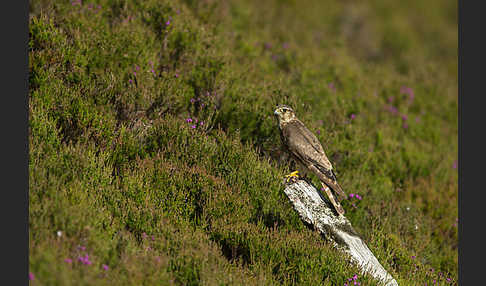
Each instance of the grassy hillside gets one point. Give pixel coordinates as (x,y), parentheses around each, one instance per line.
(154,157)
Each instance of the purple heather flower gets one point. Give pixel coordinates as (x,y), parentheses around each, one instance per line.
(392,109)
(201,123)
(176,75)
(404,117)
(285,45)
(153,237)
(353,116)
(85,260)
(193,100)
(144,235)
(454,165)
(318,131)
(83,248)
(413,256)
(448,279)
(351,195)
(193,126)
(105,267)
(411,95)
(188,120)
(31,276)
(355,277)
(390,99)
(130,81)
(151,63)
(358,197)
(405,125)
(68,260)
(167,23)
(137,68)
(331,87)
(409,91)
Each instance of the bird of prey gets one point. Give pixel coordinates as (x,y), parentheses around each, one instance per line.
(307,151)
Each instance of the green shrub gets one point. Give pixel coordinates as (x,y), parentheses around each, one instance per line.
(153,148)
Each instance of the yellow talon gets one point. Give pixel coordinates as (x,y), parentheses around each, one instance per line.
(292,176)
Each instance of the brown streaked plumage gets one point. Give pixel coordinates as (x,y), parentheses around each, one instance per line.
(307,151)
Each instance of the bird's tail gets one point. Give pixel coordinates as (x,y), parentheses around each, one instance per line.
(333,184)
(332,197)
(341,195)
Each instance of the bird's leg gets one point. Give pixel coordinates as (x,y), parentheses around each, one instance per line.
(292,176)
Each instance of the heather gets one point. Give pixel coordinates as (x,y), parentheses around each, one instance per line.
(154,157)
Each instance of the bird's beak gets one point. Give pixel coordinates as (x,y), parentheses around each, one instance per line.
(275,112)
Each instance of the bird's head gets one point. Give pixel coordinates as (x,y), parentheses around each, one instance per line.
(284,113)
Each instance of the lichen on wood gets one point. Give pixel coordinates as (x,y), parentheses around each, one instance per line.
(317,211)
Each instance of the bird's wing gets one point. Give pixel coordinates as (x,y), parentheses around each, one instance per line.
(304,145)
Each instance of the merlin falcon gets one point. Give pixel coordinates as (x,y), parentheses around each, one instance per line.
(307,151)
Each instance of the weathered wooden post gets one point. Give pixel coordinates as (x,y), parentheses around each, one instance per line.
(316,210)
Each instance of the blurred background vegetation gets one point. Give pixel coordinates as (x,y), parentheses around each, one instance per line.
(154,157)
